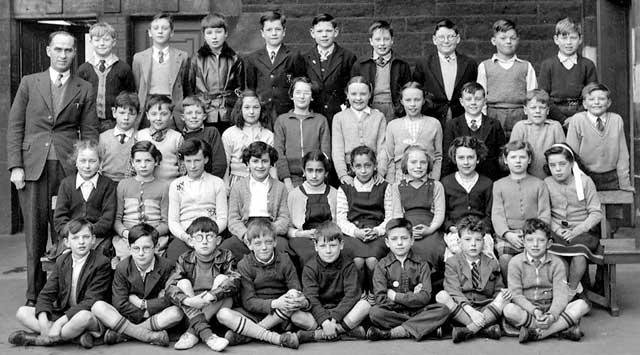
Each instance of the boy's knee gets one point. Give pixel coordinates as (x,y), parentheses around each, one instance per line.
(578,307)
(83,317)
(100,307)
(225,315)
(219,280)
(511,311)
(174,313)
(442,297)
(184,283)
(25,312)
(358,262)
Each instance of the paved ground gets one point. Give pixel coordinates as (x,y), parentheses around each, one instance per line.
(604,334)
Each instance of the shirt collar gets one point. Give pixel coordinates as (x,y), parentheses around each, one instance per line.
(409,178)
(546,122)
(571,59)
(255,182)
(452,57)
(469,118)
(593,118)
(79,262)
(387,57)
(117,131)
(273,49)
(80,180)
(470,262)
(513,59)
(359,186)
(108,61)
(530,259)
(53,74)
(366,110)
(156,51)
(326,52)
(148,269)
(268,262)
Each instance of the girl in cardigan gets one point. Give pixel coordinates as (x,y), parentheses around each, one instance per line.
(251,125)
(257,196)
(197,194)
(422,202)
(362,212)
(575,213)
(357,125)
(310,204)
(142,199)
(466,192)
(516,198)
(87,194)
(412,128)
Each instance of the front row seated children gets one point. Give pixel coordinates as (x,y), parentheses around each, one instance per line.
(473,288)
(257,196)
(402,285)
(194,195)
(330,282)
(204,281)
(167,140)
(139,308)
(310,204)
(141,199)
(422,203)
(87,194)
(115,144)
(466,192)
(516,198)
(63,309)
(575,214)
(271,293)
(541,305)
(362,211)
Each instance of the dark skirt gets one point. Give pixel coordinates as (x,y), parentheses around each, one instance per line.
(586,244)
(359,249)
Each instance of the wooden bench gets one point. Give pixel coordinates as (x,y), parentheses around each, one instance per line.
(615,251)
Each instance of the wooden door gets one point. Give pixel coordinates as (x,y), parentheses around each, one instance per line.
(187,35)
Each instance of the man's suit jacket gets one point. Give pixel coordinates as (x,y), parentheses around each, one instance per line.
(127,281)
(141,66)
(99,209)
(272,81)
(458,281)
(331,77)
(429,73)
(33,125)
(93,285)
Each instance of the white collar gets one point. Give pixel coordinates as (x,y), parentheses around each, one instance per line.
(451,56)
(164,51)
(108,61)
(366,110)
(326,51)
(469,118)
(254,182)
(273,49)
(117,131)
(471,262)
(148,269)
(571,59)
(513,59)
(362,186)
(80,180)
(593,118)
(79,262)
(53,74)
(201,178)
(387,57)
(531,259)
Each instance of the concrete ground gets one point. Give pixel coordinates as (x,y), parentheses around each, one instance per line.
(603,334)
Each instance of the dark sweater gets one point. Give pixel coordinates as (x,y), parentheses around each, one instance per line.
(119,78)
(561,83)
(332,289)
(460,203)
(99,209)
(262,283)
(400,74)
(217,164)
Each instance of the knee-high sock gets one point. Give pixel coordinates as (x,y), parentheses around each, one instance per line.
(460,315)
(200,327)
(151,323)
(529,321)
(563,322)
(247,327)
(123,326)
(491,314)
(273,319)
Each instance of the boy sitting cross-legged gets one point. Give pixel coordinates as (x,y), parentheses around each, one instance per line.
(540,306)
(473,287)
(203,282)
(270,291)
(139,308)
(63,309)
(402,286)
(330,281)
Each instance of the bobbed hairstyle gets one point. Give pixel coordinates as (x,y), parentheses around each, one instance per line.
(192,146)
(415,148)
(148,147)
(257,150)
(468,142)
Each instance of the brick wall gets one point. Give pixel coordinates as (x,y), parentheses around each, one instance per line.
(413,21)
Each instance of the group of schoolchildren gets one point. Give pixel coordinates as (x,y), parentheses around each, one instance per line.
(426,229)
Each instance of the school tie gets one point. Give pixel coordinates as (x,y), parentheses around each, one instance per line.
(142,217)
(475,274)
(449,58)
(58,82)
(272,56)
(161,57)
(122,137)
(536,263)
(381,62)
(474,125)
(159,135)
(600,124)
(101,66)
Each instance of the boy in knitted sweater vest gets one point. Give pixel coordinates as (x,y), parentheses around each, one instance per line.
(115,144)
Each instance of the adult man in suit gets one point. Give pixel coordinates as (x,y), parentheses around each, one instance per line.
(161,70)
(48,111)
(328,65)
(443,74)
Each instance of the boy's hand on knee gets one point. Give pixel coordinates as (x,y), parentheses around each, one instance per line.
(197,302)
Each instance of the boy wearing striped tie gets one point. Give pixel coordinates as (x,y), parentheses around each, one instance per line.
(473,287)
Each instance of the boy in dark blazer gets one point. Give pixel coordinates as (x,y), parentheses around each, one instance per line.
(383,69)
(473,287)
(139,308)
(443,74)
(270,69)
(473,123)
(63,309)
(328,65)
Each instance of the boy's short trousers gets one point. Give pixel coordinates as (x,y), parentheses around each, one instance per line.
(507,116)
